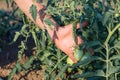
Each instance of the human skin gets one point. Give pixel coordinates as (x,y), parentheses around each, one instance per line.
(61,35)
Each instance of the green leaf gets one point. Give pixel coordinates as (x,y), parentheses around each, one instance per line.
(89,74)
(23,45)
(33,11)
(43,39)
(49,62)
(72,5)
(35,38)
(86,59)
(49,22)
(45,55)
(93,43)
(97,58)
(106,18)
(115,57)
(12,73)
(28,63)
(24,28)
(17,34)
(113,69)
(74,31)
(61,72)
(117,45)
(45,2)
(52,76)
(18,66)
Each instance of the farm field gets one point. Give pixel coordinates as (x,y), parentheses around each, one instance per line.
(28,53)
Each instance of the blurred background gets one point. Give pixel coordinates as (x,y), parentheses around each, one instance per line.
(10,22)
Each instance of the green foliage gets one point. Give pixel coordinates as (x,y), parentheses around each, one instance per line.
(64,11)
(90,74)
(33,11)
(102,35)
(49,22)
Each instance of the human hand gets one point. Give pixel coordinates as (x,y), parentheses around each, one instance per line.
(63,38)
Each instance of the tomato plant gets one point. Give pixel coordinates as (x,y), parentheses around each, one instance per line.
(102,35)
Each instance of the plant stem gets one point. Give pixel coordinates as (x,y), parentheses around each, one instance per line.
(58,63)
(107,61)
(107,49)
(111,33)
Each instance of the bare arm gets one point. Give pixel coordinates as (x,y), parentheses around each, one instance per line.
(25,5)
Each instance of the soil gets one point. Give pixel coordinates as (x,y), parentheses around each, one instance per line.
(8,56)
